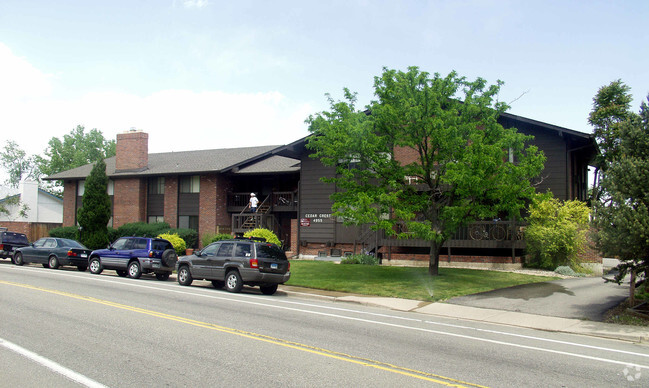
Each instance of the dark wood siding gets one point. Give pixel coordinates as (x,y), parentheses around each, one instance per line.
(155,204)
(188,204)
(315,204)
(554,176)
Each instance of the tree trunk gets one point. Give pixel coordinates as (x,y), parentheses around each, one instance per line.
(433,263)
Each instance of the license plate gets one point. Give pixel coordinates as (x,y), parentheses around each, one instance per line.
(84,255)
(273,266)
(156,265)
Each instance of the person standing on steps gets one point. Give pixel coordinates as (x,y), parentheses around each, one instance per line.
(253,203)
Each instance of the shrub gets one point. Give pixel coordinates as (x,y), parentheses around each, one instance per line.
(95,240)
(360,259)
(176,241)
(209,238)
(189,235)
(556,233)
(142,229)
(264,233)
(71,232)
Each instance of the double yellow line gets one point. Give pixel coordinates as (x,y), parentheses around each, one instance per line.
(446,381)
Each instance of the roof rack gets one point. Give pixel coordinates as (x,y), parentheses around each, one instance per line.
(261,239)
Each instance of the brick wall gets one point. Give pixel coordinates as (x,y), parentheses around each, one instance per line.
(129,201)
(171,201)
(207,205)
(69,203)
(132,151)
(405,155)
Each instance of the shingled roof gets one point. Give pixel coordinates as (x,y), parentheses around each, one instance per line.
(245,160)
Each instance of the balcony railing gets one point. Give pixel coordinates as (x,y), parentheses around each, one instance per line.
(278,201)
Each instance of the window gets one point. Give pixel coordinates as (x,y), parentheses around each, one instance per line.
(140,243)
(190,184)
(242,250)
(210,250)
(81,188)
(157,185)
(121,243)
(111,187)
(225,250)
(50,243)
(154,219)
(40,243)
(188,222)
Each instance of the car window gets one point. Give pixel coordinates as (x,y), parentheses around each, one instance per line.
(140,243)
(121,243)
(40,243)
(16,238)
(64,242)
(242,250)
(270,251)
(210,250)
(225,249)
(49,243)
(159,245)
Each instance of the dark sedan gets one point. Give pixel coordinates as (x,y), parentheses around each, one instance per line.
(54,252)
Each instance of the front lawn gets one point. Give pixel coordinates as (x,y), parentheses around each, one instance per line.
(402,282)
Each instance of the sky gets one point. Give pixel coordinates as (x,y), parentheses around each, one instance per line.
(207,74)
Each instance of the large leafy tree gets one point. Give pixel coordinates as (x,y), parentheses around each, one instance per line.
(419,162)
(76,149)
(95,210)
(17,164)
(622,211)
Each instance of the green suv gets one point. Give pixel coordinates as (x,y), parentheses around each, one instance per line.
(233,263)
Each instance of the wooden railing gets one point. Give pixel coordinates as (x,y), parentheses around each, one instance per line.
(278,201)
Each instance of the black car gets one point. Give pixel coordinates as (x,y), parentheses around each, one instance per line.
(133,256)
(10,241)
(233,263)
(53,253)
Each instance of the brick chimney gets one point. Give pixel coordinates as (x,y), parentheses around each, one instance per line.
(132,151)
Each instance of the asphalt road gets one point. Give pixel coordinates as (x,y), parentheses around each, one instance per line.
(64,328)
(580,298)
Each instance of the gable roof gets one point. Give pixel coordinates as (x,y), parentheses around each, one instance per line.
(236,160)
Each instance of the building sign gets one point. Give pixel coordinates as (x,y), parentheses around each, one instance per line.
(316,218)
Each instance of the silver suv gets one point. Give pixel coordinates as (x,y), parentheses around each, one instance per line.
(233,263)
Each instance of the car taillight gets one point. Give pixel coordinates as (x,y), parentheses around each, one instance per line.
(72,254)
(2,247)
(254,263)
(150,253)
(289,265)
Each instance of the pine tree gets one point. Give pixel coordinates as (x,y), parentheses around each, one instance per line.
(95,212)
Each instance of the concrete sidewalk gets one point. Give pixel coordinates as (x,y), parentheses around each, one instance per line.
(532,321)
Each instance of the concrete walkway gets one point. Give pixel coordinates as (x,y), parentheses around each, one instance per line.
(490,315)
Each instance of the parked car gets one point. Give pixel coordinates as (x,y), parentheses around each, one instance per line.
(133,256)
(10,241)
(233,263)
(53,253)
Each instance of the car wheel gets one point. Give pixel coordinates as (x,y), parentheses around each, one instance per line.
(121,273)
(18,259)
(134,269)
(233,281)
(82,268)
(162,275)
(184,276)
(54,262)
(169,257)
(218,283)
(95,266)
(268,290)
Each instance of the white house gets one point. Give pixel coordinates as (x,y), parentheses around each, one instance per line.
(40,206)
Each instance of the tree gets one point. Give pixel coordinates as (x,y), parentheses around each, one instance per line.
(13,208)
(95,210)
(621,215)
(18,164)
(77,148)
(420,163)
(611,106)
(557,232)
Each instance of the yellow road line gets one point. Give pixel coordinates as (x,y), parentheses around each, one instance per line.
(446,381)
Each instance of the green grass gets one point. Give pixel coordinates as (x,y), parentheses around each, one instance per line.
(402,282)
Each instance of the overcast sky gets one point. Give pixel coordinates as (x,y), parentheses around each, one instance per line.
(202,74)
